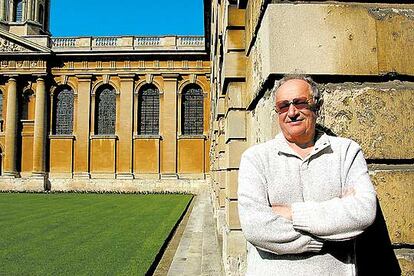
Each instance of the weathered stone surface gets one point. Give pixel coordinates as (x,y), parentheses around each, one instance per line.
(222,162)
(406,259)
(234,64)
(22,184)
(221,179)
(234,40)
(395,29)
(253,11)
(377,116)
(395,191)
(263,121)
(232,184)
(234,150)
(234,252)
(338,39)
(222,198)
(235,125)
(235,96)
(235,17)
(220,107)
(232,215)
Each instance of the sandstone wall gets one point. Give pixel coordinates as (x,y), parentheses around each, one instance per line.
(361,54)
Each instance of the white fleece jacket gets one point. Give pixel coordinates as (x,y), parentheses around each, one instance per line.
(272,173)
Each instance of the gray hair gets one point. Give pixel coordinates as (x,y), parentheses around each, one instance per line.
(315,92)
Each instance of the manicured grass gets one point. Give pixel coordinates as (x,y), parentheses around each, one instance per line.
(84,234)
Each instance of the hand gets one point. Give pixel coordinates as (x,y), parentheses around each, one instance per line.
(350,191)
(282,210)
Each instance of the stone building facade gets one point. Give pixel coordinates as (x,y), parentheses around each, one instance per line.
(80,113)
(98,113)
(362,55)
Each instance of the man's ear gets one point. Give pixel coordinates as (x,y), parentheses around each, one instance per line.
(319,104)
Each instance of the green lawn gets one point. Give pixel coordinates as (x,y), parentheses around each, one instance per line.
(84,234)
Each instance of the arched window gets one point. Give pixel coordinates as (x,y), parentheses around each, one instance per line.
(192,111)
(63,111)
(18,11)
(148,110)
(25,104)
(105,110)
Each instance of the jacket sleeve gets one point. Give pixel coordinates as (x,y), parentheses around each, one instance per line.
(341,218)
(261,226)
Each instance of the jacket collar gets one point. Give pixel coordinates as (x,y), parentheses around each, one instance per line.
(282,146)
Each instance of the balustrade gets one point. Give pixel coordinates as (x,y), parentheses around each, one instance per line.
(63,42)
(116,41)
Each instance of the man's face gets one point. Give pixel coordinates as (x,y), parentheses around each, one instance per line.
(297,122)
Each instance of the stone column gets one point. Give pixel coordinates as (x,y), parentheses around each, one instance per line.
(11,130)
(3,9)
(169,127)
(81,163)
(29,13)
(11,11)
(39,139)
(125,129)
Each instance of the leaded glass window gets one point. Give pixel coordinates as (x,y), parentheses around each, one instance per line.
(63,112)
(19,11)
(192,111)
(105,111)
(148,110)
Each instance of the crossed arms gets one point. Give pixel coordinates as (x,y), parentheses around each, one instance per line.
(304,226)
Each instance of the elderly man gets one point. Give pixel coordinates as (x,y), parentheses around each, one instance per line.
(303,196)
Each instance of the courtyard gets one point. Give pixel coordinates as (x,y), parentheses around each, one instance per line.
(85,234)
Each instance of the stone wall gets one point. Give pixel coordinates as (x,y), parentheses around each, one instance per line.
(360,53)
(190,186)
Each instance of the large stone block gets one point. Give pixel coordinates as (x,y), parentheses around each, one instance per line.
(221,145)
(263,121)
(333,39)
(254,10)
(220,107)
(222,162)
(235,96)
(222,198)
(234,40)
(395,29)
(377,116)
(191,155)
(221,179)
(61,153)
(234,252)
(232,184)
(233,153)
(406,259)
(235,17)
(146,156)
(395,191)
(235,125)
(232,215)
(234,64)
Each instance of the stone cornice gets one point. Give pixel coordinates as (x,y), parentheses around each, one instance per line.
(11,44)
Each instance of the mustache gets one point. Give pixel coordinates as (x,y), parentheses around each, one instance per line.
(295,119)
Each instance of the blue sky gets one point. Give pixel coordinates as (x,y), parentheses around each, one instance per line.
(136,17)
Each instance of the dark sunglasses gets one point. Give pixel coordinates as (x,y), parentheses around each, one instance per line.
(298,103)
